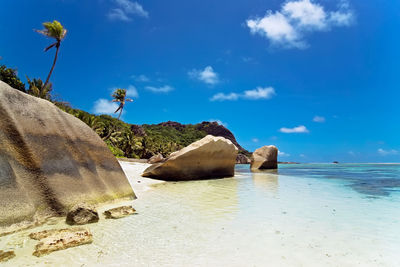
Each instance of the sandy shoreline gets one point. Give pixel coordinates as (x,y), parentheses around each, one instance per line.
(133,171)
(251,219)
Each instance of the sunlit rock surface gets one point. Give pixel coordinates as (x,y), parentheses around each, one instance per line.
(50,161)
(210,157)
(54,240)
(265,157)
(119,212)
(6,255)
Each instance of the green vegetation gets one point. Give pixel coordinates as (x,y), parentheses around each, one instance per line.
(124,142)
(166,139)
(37,88)
(53,30)
(9,76)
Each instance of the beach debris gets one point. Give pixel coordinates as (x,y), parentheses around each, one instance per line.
(82,214)
(156,158)
(6,255)
(265,157)
(59,239)
(210,157)
(119,212)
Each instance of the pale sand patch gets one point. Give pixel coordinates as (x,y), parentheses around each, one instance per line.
(133,171)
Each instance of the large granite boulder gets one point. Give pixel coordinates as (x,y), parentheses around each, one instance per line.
(265,157)
(210,157)
(50,161)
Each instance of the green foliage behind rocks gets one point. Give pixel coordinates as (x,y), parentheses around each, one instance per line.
(10,77)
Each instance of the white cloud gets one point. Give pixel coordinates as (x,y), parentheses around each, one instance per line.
(387,152)
(219,122)
(255,94)
(260,93)
(305,14)
(288,27)
(126,9)
(141,78)
(118,14)
(303,155)
(319,119)
(223,97)
(276,27)
(283,154)
(132,91)
(207,75)
(255,140)
(104,106)
(162,89)
(298,129)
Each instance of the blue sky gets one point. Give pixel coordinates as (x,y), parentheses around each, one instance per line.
(318,79)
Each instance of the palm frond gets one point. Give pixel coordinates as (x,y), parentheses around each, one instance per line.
(53,30)
(50,46)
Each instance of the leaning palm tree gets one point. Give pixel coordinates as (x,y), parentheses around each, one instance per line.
(119,96)
(53,30)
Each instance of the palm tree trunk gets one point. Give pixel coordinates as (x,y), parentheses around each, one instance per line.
(120,114)
(52,67)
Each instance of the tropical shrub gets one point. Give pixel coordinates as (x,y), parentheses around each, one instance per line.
(10,77)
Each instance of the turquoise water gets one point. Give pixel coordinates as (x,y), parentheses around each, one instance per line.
(300,215)
(371,180)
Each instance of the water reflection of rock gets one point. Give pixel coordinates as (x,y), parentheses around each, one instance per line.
(210,199)
(267,180)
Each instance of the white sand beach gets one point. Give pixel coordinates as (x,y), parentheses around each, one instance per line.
(249,220)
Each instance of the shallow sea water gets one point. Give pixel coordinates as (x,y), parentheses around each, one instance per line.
(300,215)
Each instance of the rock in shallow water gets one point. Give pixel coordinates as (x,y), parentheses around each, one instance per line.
(6,255)
(59,239)
(265,157)
(82,214)
(210,157)
(119,212)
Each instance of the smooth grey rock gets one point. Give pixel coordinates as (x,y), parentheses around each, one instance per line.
(210,157)
(265,157)
(50,161)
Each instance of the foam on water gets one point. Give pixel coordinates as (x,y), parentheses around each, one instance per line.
(301,215)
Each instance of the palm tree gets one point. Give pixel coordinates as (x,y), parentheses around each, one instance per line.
(119,96)
(37,88)
(53,30)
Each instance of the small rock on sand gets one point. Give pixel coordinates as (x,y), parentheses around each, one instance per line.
(119,212)
(54,240)
(82,214)
(6,255)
